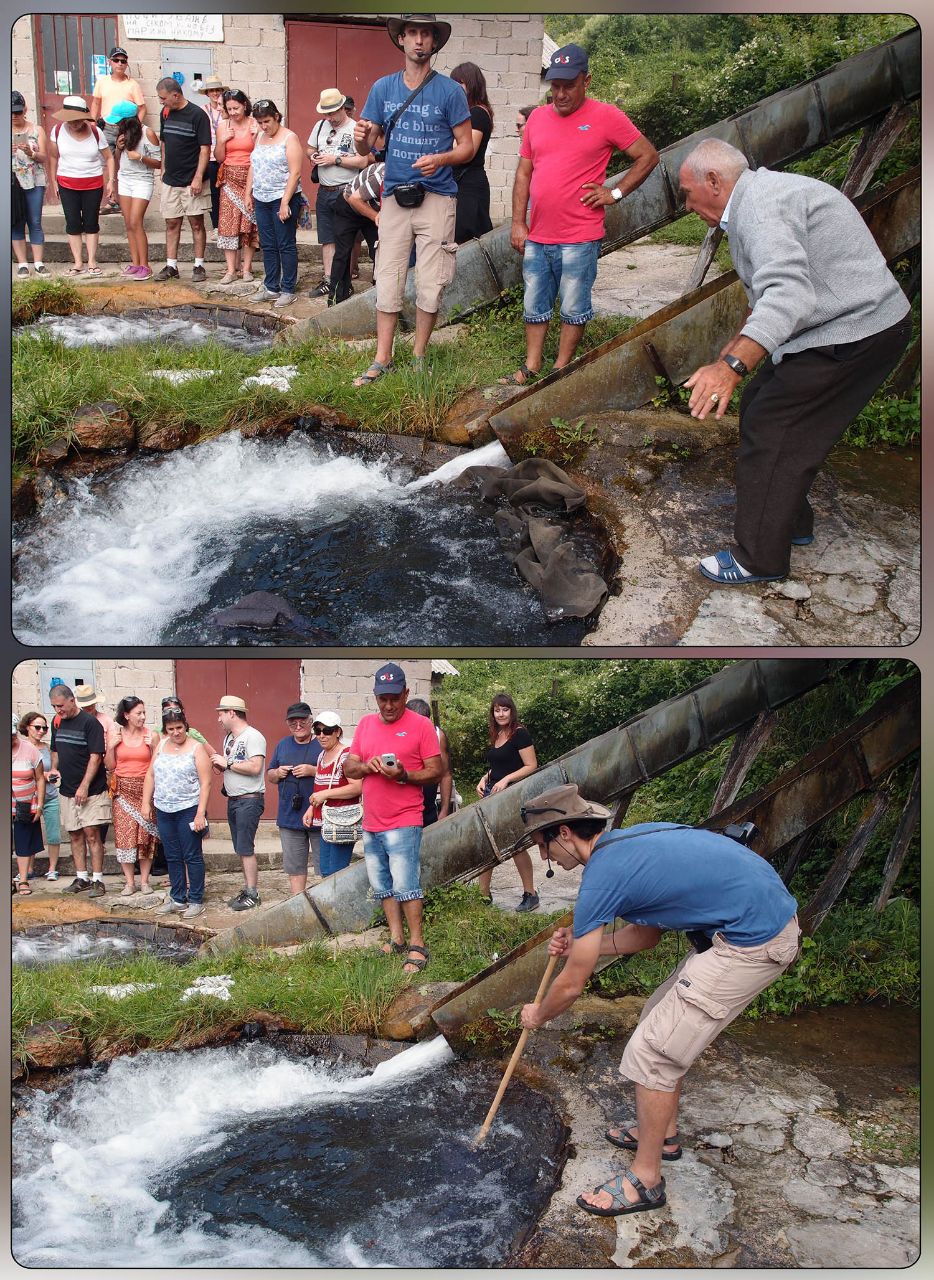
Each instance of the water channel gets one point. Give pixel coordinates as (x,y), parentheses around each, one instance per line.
(151,552)
(186,326)
(254,1156)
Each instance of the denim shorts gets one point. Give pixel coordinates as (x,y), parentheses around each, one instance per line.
(392,863)
(550,269)
(243,815)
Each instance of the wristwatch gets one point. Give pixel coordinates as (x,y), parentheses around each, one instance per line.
(338,160)
(616,194)
(735,364)
(228,765)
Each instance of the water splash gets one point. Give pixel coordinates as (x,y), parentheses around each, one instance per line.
(490,455)
(119,330)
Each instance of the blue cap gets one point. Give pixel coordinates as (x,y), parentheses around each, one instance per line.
(121,111)
(567,63)
(389,679)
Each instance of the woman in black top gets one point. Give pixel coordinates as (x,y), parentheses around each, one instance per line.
(511,756)
(473,187)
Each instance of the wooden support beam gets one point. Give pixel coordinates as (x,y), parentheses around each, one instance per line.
(874,146)
(911,815)
(705,256)
(845,863)
(746,746)
(796,851)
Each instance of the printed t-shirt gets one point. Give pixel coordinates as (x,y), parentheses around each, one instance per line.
(249,742)
(506,759)
(337,140)
(24,761)
(288,751)
(388,805)
(75,741)
(111,91)
(566,152)
(184,133)
(424,128)
(681,878)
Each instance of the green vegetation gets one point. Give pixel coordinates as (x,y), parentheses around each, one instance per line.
(37,298)
(690,231)
(51,381)
(561,441)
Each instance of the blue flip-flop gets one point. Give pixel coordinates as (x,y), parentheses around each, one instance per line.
(803,542)
(729,574)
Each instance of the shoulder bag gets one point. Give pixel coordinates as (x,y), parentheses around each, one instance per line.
(341,824)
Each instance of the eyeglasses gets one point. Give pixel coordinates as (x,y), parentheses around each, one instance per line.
(324,729)
(297,719)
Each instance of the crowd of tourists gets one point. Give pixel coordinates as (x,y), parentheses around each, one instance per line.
(81,770)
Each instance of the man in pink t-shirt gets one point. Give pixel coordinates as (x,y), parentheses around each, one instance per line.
(395,753)
(563,159)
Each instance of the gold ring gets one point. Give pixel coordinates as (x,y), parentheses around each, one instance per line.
(715,399)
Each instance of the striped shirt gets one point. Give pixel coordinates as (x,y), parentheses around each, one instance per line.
(369,183)
(25,759)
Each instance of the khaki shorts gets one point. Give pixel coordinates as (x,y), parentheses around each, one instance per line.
(178,202)
(431,228)
(702,996)
(93,814)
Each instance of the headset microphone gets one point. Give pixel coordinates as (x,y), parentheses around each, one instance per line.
(550,873)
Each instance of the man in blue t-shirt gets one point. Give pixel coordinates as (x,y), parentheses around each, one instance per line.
(658,876)
(419,192)
(292,769)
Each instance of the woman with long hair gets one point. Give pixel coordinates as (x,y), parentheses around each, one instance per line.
(137,153)
(511,757)
(127,760)
(33,727)
(236,226)
(473,187)
(28,793)
(30,155)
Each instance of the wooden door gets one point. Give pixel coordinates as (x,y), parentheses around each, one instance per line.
(325,55)
(267,686)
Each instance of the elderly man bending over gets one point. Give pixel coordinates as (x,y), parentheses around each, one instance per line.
(832,320)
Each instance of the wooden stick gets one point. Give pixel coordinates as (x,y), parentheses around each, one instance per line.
(516,1055)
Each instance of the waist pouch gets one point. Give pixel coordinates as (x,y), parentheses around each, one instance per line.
(409,195)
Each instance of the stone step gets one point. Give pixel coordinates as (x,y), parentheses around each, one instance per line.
(53,223)
(112,247)
(219,852)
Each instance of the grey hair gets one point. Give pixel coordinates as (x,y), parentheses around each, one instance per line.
(168,84)
(713,155)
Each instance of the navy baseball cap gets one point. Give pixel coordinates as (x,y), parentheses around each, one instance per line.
(567,63)
(389,679)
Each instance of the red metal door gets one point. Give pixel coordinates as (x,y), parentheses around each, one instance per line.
(267,686)
(322,55)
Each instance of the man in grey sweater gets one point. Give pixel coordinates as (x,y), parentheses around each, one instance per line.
(830,318)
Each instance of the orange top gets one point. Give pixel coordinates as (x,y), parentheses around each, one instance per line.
(240,148)
(133,761)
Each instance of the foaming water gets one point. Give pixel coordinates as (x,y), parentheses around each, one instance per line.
(76,946)
(246,1156)
(490,455)
(119,330)
(150,552)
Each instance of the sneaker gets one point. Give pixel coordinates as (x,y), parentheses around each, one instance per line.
(98,889)
(51,875)
(141,273)
(78,885)
(129,269)
(199,275)
(264,295)
(167,273)
(193,910)
(529,902)
(284,300)
(170,905)
(323,289)
(244,900)
(41,269)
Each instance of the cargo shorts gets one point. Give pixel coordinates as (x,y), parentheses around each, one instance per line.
(703,995)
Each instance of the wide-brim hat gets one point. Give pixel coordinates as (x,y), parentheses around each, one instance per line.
(230,703)
(212,82)
(330,100)
(86,696)
(395,27)
(557,805)
(72,108)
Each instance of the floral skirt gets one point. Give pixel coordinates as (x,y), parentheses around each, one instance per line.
(133,835)
(235,227)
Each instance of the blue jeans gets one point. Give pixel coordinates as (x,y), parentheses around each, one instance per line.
(183,854)
(33,218)
(334,857)
(548,269)
(392,863)
(277,241)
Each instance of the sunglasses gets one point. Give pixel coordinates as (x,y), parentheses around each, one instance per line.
(41,728)
(262,107)
(115,60)
(323,729)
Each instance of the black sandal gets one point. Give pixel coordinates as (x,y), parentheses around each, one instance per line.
(629,1143)
(419,964)
(649,1197)
(391,948)
(521,378)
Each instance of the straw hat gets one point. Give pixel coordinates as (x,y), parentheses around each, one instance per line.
(330,100)
(72,108)
(396,26)
(212,82)
(230,703)
(86,696)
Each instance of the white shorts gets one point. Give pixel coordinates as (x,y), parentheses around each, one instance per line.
(134,188)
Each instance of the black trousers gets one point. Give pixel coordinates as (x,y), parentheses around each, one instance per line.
(791,416)
(213,167)
(347,223)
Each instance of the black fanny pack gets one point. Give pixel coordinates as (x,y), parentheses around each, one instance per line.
(409,195)
(23,811)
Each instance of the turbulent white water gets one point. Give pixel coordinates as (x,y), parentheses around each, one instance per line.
(86,1161)
(115,569)
(490,455)
(113,331)
(76,946)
